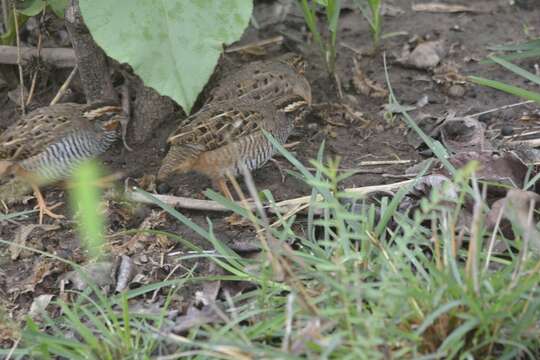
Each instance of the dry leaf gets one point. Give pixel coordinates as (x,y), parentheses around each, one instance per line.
(366,86)
(22,234)
(464,134)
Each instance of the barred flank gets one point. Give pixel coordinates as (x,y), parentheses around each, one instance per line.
(59,159)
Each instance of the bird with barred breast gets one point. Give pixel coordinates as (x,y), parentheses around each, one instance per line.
(227,133)
(46,144)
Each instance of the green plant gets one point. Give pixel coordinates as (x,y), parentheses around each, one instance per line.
(172,45)
(327,45)
(371,10)
(24,10)
(530,49)
(85,197)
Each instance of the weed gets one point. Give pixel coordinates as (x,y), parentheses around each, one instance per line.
(371,10)
(327,45)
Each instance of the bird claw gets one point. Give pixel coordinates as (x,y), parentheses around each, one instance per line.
(47,210)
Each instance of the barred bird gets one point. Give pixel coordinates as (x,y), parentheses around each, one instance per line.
(45,145)
(228,135)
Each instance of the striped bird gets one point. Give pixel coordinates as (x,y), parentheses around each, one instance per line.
(45,145)
(227,135)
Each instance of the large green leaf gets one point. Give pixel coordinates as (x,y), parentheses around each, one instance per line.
(173,45)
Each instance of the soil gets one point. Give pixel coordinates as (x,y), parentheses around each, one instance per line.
(366,136)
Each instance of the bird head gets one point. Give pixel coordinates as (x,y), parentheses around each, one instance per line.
(109,118)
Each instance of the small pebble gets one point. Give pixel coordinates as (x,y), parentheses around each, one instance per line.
(507,130)
(485,118)
(456,91)
(163,188)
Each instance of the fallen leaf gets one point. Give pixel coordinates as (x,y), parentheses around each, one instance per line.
(126,271)
(39,305)
(101,274)
(464,134)
(366,86)
(516,207)
(22,234)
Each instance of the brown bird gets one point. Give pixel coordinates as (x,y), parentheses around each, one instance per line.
(227,135)
(48,143)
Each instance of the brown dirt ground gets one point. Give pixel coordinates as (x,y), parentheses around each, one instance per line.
(466,37)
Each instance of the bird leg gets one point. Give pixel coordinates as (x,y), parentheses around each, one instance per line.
(43,208)
(221,184)
(280,169)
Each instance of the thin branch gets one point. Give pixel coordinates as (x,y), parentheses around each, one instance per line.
(5,15)
(21,77)
(59,57)
(39,47)
(64,86)
(296,204)
(502,108)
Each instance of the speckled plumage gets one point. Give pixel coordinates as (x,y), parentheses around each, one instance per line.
(48,143)
(227,133)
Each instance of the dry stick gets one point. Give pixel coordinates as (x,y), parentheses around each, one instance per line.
(59,57)
(296,204)
(531,142)
(64,86)
(525,133)
(384,162)
(39,47)
(5,14)
(502,108)
(21,78)
(271,41)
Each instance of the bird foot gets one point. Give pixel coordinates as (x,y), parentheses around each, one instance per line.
(280,169)
(48,210)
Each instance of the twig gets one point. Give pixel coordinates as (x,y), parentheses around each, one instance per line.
(5,15)
(525,133)
(502,108)
(296,204)
(384,162)
(64,86)
(256,44)
(21,77)
(126,109)
(39,47)
(59,57)
(531,142)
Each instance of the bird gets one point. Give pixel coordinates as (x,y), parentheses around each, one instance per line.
(227,132)
(46,144)
(228,135)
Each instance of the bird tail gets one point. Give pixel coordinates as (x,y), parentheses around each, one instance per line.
(179,160)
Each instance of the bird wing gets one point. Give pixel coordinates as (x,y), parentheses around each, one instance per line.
(33,132)
(221,123)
